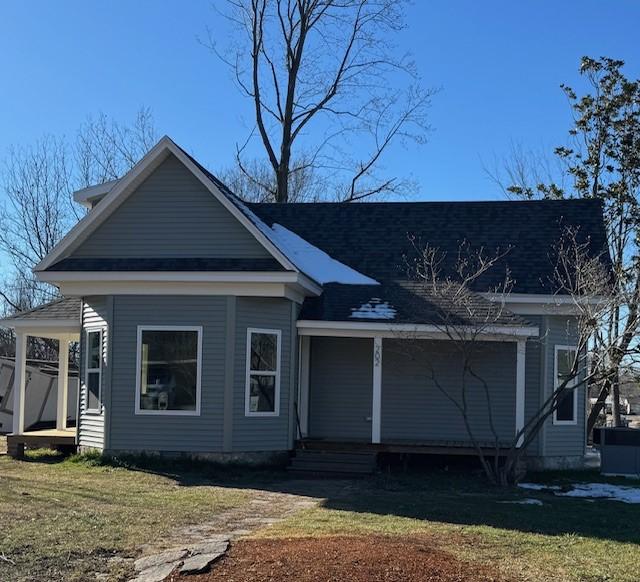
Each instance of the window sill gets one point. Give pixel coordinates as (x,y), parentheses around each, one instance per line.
(167,413)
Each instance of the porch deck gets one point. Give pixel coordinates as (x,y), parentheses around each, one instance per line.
(398,447)
(40,439)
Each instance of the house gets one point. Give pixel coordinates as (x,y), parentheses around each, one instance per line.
(223,329)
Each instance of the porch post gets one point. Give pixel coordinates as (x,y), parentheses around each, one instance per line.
(520,385)
(19,382)
(303,385)
(63,383)
(376,412)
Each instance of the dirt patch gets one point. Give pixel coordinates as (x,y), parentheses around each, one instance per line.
(339,558)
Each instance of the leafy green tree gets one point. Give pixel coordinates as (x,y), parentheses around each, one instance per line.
(602,160)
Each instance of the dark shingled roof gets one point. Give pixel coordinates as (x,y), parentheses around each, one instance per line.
(412,302)
(166,264)
(62,309)
(373,237)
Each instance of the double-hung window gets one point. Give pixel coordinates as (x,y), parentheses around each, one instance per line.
(93,370)
(567,410)
(262,397)
(169,370)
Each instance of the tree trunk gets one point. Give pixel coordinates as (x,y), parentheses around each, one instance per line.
(596,409)
(282,177)
(615,400)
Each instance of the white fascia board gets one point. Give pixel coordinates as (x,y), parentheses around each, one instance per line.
(87,196)
(532,304)
(296,286)
(33,326)
(127,184)
(371,329)
(269,289)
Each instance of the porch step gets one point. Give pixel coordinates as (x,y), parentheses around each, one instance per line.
(334,463)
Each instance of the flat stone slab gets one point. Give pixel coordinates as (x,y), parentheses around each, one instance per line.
(213,547)
(168,556)
(156,573)
(200,562)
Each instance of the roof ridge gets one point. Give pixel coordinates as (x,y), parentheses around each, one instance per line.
(428,202)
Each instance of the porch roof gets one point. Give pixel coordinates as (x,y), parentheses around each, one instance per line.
(405,302)
(60,315)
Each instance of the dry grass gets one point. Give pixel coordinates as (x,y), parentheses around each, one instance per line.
(62,519)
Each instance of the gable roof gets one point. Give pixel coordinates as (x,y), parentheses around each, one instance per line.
(364,243)
(127,185)
(373,237)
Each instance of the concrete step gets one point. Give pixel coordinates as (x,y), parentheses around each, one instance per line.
(345,456)
(333,462)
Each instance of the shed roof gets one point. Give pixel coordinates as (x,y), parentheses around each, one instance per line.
(66,309)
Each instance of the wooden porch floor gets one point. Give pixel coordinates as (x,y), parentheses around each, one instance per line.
(40,439)
(398,447)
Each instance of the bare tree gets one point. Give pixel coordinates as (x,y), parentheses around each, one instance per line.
(105,149)
(38,183)
(473,328)
(38,186)
(255,182)
(322,75)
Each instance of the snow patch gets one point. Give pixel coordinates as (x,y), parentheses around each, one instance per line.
(315,262)
(375,308)
(591,491)
(538,487)
(604,491)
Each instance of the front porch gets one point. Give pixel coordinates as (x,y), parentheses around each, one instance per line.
(58,321)
(358,391)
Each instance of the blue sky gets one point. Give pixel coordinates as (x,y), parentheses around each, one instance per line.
(499,64)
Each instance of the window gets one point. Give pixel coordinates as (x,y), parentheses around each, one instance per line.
(263,373)
(93,370)
(169,363)
(567,409)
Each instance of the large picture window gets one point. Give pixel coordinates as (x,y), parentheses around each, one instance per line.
(263,373)
(93,370)
(567,410)
(169,364)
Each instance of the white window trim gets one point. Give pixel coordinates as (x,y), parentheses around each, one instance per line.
(249,372)
(88,371)
(574,392)
(141,412)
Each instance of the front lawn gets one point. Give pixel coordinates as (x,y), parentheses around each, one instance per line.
(62,519)
(562,539)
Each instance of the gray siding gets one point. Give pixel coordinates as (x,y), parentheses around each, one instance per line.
(95,314)
(562,440)
(171,214)
(129,431)
(340,388)
(533,380)
(262,433)
(415,409)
